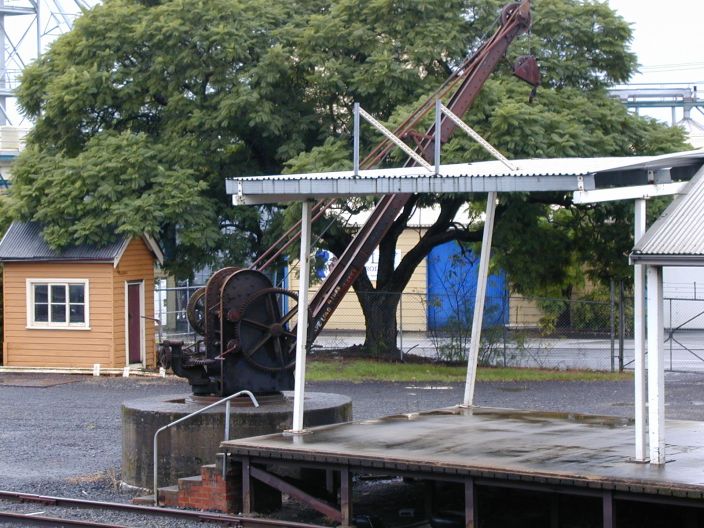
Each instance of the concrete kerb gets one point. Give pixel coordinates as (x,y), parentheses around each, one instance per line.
(113,372)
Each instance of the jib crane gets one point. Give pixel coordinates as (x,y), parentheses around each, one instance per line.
(248,343)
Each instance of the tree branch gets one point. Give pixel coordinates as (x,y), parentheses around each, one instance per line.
(387,246)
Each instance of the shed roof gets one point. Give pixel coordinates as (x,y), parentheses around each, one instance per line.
(23,241)
(677,237)
(559,174)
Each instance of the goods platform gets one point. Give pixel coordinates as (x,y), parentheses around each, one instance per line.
(561,453)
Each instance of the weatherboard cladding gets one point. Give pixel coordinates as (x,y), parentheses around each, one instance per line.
(679,232)
(23,241)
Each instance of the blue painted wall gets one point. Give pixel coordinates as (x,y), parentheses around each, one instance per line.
(452,285)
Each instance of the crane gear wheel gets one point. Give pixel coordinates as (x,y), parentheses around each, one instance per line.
(195,311)
(257,329)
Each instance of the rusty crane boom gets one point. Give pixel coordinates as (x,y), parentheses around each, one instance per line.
(248,342)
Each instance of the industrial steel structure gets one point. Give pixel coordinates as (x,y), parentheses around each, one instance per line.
(26,27)
(248,343)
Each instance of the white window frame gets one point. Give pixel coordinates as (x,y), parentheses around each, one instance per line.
(32,324)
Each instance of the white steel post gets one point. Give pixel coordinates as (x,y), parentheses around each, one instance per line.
(639,338)
(355,152)
(438,135)
(656,370)
(475,340)
(302,324)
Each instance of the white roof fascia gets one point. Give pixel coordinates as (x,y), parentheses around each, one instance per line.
(628,193)
(532,175)
(148,241)
(123,248)
(675,237)
(152,244)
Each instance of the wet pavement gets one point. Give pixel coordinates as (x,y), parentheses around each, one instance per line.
(64,439)
(562,449)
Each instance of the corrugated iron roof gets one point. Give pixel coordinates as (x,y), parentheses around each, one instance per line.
(483,169)
(677,237)
(559,174)
(23,241)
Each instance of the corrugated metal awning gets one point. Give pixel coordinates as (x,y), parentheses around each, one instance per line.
(677,237)
(533,175)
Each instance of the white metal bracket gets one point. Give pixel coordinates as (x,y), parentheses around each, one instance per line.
(359,111)
(474,135)
(439,110)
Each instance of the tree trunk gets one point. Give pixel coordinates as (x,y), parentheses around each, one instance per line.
(380,320)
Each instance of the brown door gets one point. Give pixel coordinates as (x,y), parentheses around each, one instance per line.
(134,323)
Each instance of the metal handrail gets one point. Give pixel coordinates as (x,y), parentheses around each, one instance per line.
(226,401)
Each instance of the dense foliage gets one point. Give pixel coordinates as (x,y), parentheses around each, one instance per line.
(146,106)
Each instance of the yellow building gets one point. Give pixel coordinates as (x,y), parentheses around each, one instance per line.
(412,310)
(78,307)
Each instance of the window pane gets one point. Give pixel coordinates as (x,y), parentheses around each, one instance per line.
(41,293)
(41,313)
(75,293)
(58,294)
(58,313)
(77,313)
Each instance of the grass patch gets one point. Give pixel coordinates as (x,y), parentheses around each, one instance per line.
(359,370)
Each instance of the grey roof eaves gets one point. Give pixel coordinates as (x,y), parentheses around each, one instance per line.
(23,242)
(664,242)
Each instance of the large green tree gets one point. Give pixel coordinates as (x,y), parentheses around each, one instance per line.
(582,48)
(146,107)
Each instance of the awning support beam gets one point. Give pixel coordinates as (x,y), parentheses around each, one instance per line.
(360,112)
(302,323)
(475,340)
(656,367)
(641,427)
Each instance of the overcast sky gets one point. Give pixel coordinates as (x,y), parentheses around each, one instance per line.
(668,41)
(669,44)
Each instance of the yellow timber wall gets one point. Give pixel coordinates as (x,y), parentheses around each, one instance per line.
(137,263)
(40,347)
(104,341)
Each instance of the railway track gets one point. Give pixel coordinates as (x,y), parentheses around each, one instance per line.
(45,518)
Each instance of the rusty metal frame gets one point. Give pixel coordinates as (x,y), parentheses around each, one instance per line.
(341,513)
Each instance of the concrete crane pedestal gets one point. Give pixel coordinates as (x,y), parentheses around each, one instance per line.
(186,447)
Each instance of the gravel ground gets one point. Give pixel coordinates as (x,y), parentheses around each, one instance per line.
(60,434)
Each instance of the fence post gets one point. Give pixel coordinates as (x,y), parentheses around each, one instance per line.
(400,324)
(621,326)
(612,317)
(504,321)
(670,332)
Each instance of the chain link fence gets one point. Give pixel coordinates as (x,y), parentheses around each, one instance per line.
(170,304)
(684,334)
(517,331)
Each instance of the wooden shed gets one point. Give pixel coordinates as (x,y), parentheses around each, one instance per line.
(78,307)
